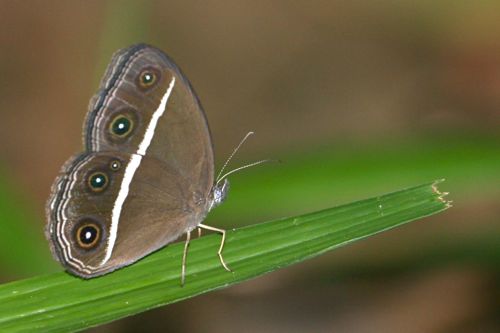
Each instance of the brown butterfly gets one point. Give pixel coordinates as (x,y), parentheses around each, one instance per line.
(146,175)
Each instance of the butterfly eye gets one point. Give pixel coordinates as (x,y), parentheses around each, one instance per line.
(88,235)
(115,165)
(121,125)
(148,78)
(98,181)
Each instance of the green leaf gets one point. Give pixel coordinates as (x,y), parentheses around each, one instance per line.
(60,302)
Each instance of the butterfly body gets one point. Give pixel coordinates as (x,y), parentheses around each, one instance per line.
(146,175)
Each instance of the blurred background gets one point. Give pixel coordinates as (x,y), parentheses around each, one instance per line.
(356,98)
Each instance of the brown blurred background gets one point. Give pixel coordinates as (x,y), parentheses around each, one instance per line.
(308,77)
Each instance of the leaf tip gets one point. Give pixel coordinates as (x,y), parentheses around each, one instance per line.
(441,195)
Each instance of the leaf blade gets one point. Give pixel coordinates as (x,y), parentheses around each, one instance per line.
(59,302)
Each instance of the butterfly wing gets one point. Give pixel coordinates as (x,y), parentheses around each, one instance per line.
(128,110)
(92,231)
(147,119)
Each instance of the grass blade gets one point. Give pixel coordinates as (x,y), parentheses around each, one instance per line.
(60,302)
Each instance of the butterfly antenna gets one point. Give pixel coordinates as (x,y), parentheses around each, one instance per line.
(231,156)
(219,179)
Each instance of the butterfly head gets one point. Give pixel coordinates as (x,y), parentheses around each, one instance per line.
(219,193)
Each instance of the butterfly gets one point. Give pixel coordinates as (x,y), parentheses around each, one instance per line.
(146,174)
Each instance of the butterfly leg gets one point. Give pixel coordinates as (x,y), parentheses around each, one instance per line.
(184,256)
(199,232)
(223,232)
